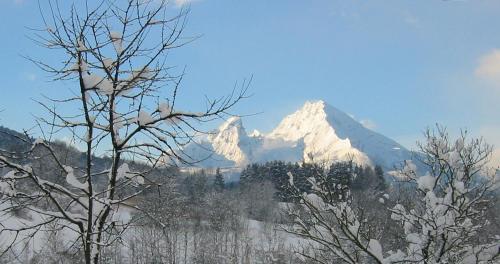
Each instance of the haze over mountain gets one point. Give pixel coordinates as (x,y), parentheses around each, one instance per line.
(317,132)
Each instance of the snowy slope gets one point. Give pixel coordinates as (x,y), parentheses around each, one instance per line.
(330,134)
(317,132)
(232,141)
(312,124)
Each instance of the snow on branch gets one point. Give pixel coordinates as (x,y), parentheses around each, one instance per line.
(441,227)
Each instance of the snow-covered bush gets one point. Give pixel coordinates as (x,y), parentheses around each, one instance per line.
(442,227)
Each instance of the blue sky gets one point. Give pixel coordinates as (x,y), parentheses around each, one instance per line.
(399,65)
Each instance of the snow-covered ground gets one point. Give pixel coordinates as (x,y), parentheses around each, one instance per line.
(255,237)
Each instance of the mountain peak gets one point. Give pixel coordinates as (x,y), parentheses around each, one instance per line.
(227,140)
(313,107)
(233,121)
(316,132)
(312,124)
(314,103)
(311,117)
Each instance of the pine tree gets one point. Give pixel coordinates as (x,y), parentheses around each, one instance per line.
(380,183)
(340,177)
(219,181)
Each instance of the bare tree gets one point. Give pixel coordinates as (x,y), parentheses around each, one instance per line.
(442,227)
(124,105)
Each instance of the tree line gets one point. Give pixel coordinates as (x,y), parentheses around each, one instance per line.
(341,173)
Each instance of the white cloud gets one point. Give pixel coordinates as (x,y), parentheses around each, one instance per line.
(489,67)
(368,124)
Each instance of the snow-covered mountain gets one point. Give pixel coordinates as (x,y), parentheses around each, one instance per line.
(317,132)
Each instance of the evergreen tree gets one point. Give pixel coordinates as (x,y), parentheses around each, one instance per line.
(219,181)
(369,178)
(196,189)
(361,178)
(341,173)
(380,183)
(340,177)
